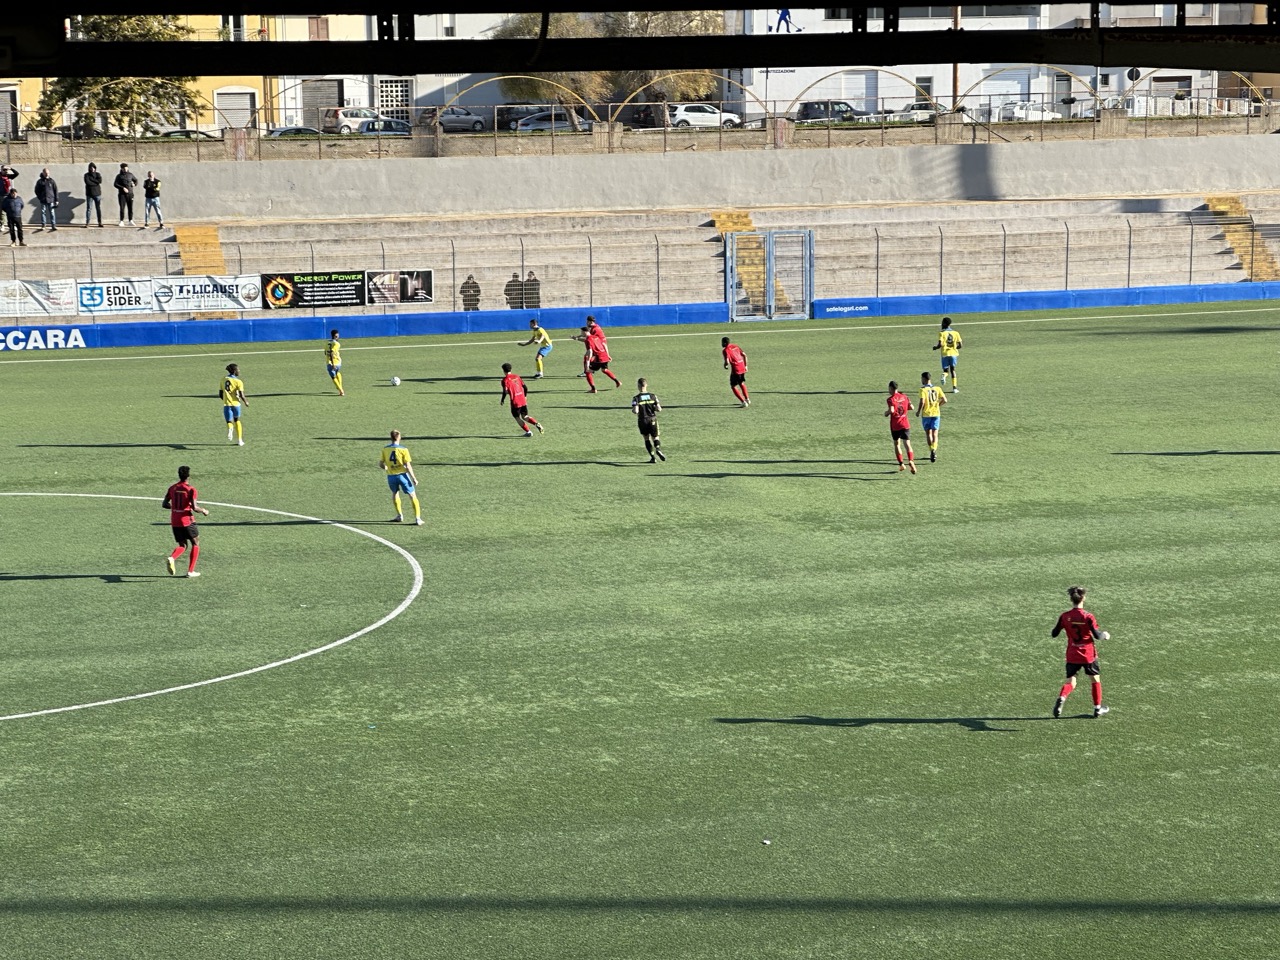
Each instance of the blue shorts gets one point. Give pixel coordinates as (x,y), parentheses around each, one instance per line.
(400,483)
(231,413)
(334,369)
(930,423)
(948,363)
(543,351)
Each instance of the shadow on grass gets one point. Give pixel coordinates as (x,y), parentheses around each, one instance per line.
(868,477)
(216,399)
(383,439)
(541,463)
(123,446)
(977,724)
(104,577)
(1179,331)
(1196,453)
(1080,907)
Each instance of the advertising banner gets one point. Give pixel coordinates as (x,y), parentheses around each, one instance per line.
(37,298)
(193,294)
(354,289)
(282,291)
(114,296)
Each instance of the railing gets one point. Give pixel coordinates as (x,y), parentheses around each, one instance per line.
(667,263)
(824,121)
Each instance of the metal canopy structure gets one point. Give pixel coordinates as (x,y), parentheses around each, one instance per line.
(35,45)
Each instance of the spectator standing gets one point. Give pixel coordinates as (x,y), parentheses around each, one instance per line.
(47,197)
(12,206)
(513,290)
(151,193)
(92,193)
(470,291)
(125,183)
(532,292)
(7,176)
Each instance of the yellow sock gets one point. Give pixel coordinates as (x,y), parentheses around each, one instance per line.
(395,498)
(417,508)
(239,430)
(539,362)
(337,380)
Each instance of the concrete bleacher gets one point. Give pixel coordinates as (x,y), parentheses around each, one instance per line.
(676,256)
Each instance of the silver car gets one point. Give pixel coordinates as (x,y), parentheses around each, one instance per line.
(557,120)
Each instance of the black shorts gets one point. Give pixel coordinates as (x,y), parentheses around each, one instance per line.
(598,365)
(520,411)
(649,429)
(737,379)
(901,434)
(1091,668)
(185,535)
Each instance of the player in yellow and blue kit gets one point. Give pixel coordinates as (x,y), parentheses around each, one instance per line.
(333,360)
(949,343)
(930,407)
(233,398)
(543,340)
(398,465)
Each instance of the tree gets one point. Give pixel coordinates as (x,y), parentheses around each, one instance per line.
(597,86)
(135,104)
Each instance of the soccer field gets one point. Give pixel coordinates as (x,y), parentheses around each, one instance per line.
(595,687)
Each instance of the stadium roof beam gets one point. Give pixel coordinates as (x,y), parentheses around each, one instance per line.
(38,48)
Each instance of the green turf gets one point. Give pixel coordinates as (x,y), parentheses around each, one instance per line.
(619,679)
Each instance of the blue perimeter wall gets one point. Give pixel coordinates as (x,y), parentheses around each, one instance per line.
(282,328)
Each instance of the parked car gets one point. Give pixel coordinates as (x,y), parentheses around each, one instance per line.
(84,132)
(644,116)
(837,111)
(509,115)
(347,119)
(700,115)
(187,135)
(452,119)
(385,127)
(921,111)
(558,120)
(293,132)
(1026,110)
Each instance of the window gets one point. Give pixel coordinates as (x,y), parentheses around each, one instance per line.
(317,28)
(939,13)
(926,86)
(395,97)
(1104,81)
(233,27)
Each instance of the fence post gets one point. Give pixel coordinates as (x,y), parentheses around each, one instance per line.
(877,230)
(1128,272)
(1066,258)
(657,266)
(453,268)
(1004,259)
(941,257)
(1191,252)
(591,273)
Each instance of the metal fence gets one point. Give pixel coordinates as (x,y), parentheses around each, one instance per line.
(609,262)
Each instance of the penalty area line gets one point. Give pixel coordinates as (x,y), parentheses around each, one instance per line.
(418,579)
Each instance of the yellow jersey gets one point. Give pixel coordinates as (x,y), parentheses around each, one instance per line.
(232,388)
(950,343)
(333,353)
(540,338)
(396,459)
(931,401)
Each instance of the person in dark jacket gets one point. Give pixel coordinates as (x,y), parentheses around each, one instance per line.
(125,183)
(513,290)
(92,193)
(532,292)
(151,193)
(470,291)
(7,176)
(12,206)
(47,197)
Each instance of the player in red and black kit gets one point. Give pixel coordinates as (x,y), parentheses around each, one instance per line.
(513,387)
(180,501)
(598,351)
(1082,630)
(900,425)
(735,361)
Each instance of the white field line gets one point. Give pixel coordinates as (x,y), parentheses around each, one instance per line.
(403,605)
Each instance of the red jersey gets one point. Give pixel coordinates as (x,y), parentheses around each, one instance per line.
(735,358)
(1080,626)
(899,407)
(595,343)
(513,387)
(180,501)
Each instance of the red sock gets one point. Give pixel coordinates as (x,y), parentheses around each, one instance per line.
(195,552)
(531,420)
(176,553)
(1097,693)
(591,381)
(899,459)
(612,377)
(1065,691)
(745,395)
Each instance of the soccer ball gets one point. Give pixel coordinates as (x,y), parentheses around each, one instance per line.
(395,381)
(1105,635)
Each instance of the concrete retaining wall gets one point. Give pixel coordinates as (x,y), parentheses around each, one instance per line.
(318,189)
